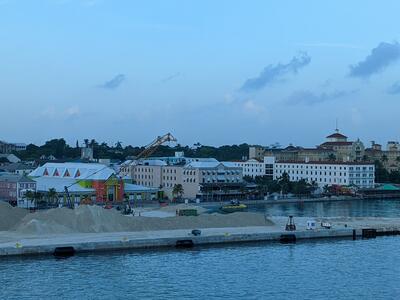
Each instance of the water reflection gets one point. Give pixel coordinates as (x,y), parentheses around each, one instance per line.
(352,208)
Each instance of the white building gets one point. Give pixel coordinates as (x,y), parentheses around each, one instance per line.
(328,173)
(254,167)
(251,167)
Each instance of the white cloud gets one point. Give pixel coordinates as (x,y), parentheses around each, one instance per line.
(72,112)
(252,107)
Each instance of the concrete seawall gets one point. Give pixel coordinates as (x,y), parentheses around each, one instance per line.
(93,242)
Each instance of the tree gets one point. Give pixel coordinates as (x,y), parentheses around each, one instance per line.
(30,196)
(52,195)
(381,174)
(37,196)
(284,183)
(301,187)
(178,190)
(118,145)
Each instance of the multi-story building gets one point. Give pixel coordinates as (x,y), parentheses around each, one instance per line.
(251,167)
(201,178)
(14,186)
(390,158)
(335,148)
(7,148)
(328,173)
(193,176)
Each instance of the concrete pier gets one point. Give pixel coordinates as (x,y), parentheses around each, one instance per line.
(11,244)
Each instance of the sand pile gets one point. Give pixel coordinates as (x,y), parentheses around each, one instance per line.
(63,220)
(10,216)
(96,219)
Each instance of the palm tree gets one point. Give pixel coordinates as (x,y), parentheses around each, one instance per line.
(52,195)
(37,196)
(178,190)
(29,195)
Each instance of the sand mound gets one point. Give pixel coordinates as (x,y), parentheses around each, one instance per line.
(85,218)
(92,219)
(9,216)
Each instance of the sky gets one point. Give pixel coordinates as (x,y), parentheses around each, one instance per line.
(214,72)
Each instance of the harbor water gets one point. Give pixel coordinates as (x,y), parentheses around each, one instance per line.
(344,208)
(343,269)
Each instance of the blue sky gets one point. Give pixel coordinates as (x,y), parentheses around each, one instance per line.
(214,72)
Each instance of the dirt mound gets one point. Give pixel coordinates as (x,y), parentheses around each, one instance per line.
(92,219)
(10,216)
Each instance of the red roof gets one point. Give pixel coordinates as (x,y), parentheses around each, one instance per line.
(337,135)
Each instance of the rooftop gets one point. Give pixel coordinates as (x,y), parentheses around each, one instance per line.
(14,178)
(336,144)
(89,171)
(337,135)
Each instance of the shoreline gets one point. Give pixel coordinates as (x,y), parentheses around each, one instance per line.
(12,244)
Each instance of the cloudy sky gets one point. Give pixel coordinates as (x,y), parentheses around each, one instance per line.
(214,72)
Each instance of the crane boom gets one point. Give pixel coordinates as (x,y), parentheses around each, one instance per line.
(152,147)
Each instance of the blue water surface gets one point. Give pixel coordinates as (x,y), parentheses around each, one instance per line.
(323,269)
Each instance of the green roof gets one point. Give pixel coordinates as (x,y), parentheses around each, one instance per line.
(388,187)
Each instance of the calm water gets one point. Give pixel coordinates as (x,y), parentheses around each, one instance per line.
(331,269)
(354,208)
(343,269)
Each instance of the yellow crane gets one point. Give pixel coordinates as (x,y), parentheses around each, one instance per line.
(152,147)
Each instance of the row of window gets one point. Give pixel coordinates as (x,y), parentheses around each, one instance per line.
(319,179)
(300,166)
(169,171)
(322,173)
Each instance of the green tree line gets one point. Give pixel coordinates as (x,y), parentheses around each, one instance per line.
(61,150)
